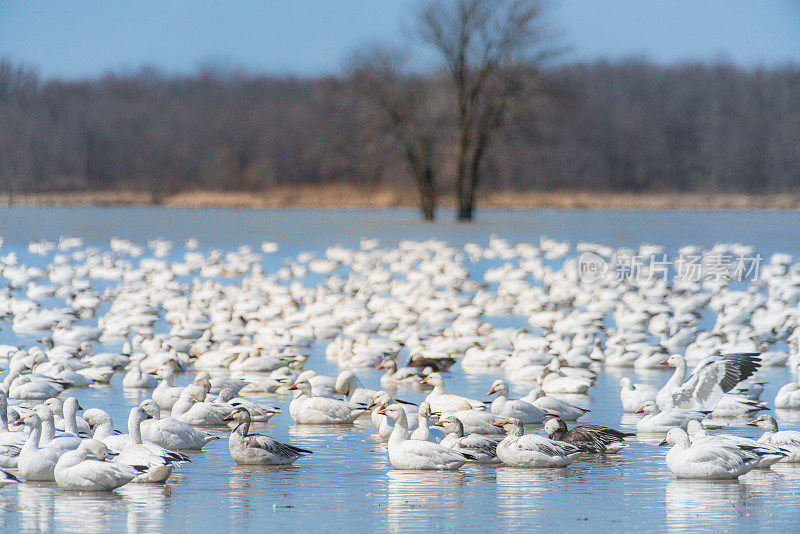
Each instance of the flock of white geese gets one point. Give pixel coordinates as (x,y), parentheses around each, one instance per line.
(417,312)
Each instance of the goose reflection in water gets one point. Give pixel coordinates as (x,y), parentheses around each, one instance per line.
(418,500)
(87,512)
(36,506)
(693,502)
(147,504)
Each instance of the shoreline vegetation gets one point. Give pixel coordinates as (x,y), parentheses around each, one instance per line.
(383,197)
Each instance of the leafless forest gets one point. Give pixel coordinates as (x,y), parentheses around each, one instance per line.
(630,126)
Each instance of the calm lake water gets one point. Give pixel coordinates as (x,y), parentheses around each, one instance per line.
(348,482)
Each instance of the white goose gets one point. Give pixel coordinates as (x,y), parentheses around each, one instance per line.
(553,406)
(416,454)
(255,449)
(518,449)
(192,410)
(170,433)
(11,442)
(307,409)
(507,408)
(633,396)
(709,460)
(63,442)
(482,449)
(135,378)
(442,402)
(36,463)
(103,430)
(658,421)
(698,434)
(75,472)
(710,380)
(166,394)
(258,412)
(788,440)
(158,460)
(788,397)
(423,431)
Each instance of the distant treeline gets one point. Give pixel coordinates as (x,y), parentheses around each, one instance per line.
(629,126)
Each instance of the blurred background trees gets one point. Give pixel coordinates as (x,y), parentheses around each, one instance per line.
(630,126)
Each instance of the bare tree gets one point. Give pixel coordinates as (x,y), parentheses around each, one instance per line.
(404,111)
(484,44)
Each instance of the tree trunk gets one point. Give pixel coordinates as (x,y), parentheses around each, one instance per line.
(427,194)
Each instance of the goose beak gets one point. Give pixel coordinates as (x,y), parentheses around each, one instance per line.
(424,380)
(428,412)
(372,404)
(382,410)
(499,424)
(379,366)
(752,423)
(640,410)
(152,372)
(228,417)
(490,392)
(290,388)
(663,443)
(665,362)
(438,423)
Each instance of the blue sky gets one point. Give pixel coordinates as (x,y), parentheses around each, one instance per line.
(80,38)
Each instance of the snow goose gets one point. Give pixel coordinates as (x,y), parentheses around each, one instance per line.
(171,433)
(166,394)
(710,380)
(36,463)
(709,460)
(416,454)
(788,397)
(258,412)
(156,459)
(552,382)
(394,376)
(423,431)
(27,387)
(192,410)
(348,384)
(65,415)
(385,425)
(75,472)
(588,438)
(103,429)
(61,443)
(135,378)
(788,440)
(221,382)
(737,406)
(633,396)
(659,421)
(553,406)
(10,441)
(482,449)
(307,409)
(442,402)
(518,449)
(698,434)
(502,406)
(255,449)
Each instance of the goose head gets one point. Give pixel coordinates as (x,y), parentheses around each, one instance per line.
(554,426)
(676,436)
(95,416)
(434,379)
(225,395)
(395,412)
(32,420)
(424,409)
(240,415)
(649,407)
(499,386)
(625,383)
(381,398)
(512,426)
(389,364)
(675,360)
(94,447)
(149,406)
(765,421)
(451,425)
(304,386)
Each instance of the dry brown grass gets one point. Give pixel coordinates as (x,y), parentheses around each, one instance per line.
(350,196)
